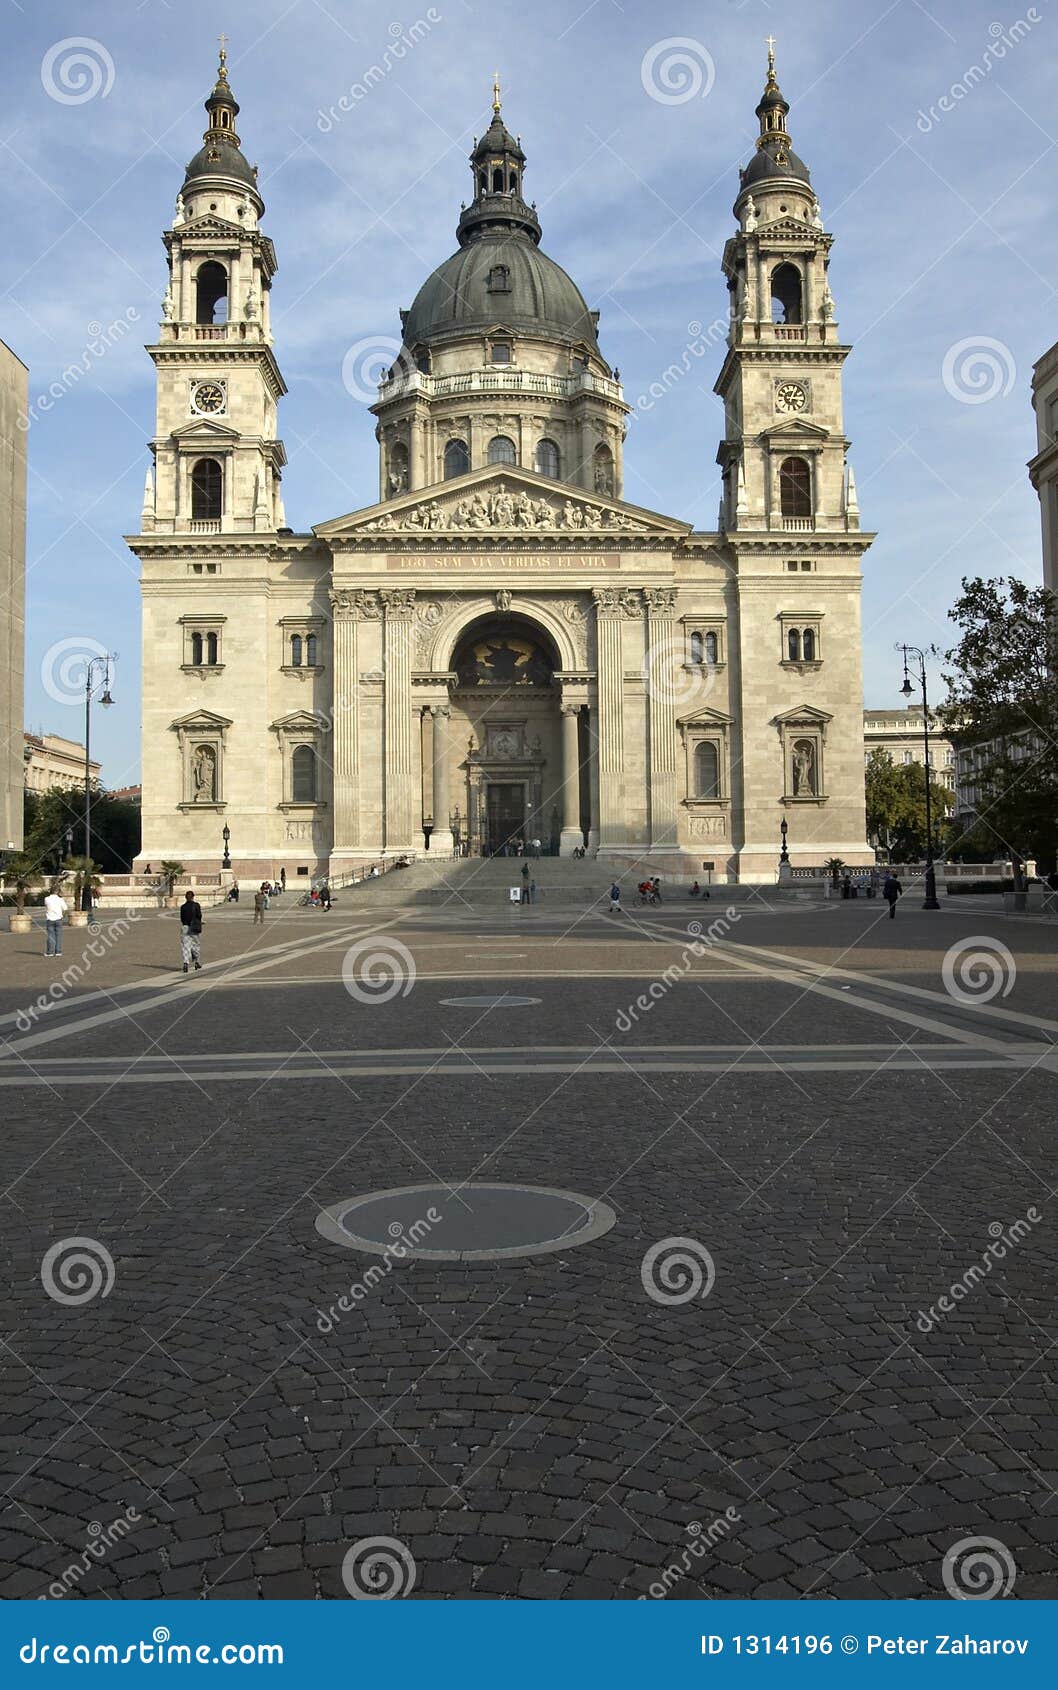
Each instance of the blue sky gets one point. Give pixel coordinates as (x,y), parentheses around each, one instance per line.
(944,226)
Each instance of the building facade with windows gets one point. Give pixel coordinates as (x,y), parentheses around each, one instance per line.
(899,732)
(52,761)
(501,646)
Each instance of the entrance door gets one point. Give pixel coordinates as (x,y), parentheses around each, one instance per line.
(506,814)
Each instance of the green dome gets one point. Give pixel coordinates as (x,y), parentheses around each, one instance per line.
(462,295)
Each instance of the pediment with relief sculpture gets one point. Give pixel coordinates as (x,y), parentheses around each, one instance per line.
(502,500)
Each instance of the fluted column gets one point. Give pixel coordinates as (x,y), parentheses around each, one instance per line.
(664,673)
(441,838)
(613,607)
(572,836)
(427,743)
(346,610)
(401,785)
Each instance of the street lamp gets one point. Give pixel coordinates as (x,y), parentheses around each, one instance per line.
(914,653)
(784,855)
(225,834)
(100,666)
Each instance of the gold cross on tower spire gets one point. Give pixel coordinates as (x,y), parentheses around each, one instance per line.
(223,73)
(769,42)
(496,93)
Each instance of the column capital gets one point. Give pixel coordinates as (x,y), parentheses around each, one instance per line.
(617,602)
(354,604)
(660,601)
(399,602)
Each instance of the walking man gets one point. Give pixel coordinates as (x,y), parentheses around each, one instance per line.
(891,892)
(191,931)
(615,899)
(54,909)
(260,904)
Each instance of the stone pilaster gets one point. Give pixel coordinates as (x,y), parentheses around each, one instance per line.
(348,608)
(664,673)
(571,837)
(613,607)
(401,783)
(441,838)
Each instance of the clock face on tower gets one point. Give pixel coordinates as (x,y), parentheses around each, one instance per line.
(208,398)
(791,396)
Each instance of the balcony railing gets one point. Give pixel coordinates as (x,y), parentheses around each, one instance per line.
(204,525)
(799,524)
(788,331)
(498,381)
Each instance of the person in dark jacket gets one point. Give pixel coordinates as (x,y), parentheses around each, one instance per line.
(891,892)
(191,931)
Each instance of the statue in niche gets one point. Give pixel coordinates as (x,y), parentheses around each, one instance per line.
(179,214)
(604,478)
(204,775)
(250,308)
(750,215)
(804,769)
(503,599)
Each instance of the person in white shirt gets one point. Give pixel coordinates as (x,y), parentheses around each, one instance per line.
(54,909)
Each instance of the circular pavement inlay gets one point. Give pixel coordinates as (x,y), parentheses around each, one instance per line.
(482,1221)
(505,1000)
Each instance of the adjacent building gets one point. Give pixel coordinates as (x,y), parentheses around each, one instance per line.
(899,732)
(50,761)
(14,407)
(500,645)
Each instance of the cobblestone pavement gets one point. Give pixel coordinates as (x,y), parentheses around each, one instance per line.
(846,1118)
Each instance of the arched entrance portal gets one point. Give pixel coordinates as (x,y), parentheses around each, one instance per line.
(505,767)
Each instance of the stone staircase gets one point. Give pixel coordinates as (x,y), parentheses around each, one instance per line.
(562,883)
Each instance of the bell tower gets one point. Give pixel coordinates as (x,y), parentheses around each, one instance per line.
(217,458)
(783,454)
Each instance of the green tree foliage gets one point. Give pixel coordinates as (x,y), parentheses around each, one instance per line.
(1002,681)
(896,805)
(50,815)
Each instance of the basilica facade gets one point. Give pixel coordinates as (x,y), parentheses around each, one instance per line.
(500,647)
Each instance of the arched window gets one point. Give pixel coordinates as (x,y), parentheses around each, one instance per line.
(207,485)
(501,450)
(603,465)
(500,352)
(295,650)
(211,648)
(457,459)
(398,469)
(697,650)
(196,648)
(211,293)
(497,181)
(786,294)
(547,459)
(706,770)
(483,182)
(711,648)
(303,775)
(808,645)
(793,646)
(795,487)
(514,182)
(310,650)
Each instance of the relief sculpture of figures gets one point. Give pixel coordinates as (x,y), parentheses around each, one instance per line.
(507,511)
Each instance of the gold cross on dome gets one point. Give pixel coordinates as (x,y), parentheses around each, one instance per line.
(769,42)
(223,39)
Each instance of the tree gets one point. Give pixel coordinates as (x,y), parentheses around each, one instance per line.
(1002,680)
(896,805)
(21,873)
(171,871)
(50,815)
